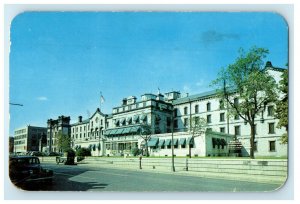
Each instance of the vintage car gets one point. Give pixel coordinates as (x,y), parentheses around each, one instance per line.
(28,169)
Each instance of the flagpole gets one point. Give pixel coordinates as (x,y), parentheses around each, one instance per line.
(100,99)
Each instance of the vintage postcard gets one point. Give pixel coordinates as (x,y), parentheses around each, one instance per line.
(148,101)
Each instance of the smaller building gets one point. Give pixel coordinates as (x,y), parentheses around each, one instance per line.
(54,128)
(29,138)
(207,144)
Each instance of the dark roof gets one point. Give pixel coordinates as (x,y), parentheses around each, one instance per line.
(194,97)
(83,122)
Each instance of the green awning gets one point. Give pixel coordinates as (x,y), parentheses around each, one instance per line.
(126,130)
(168,142)
(182,141)
(119,131)
(161,143)
(152,142)
(113,131)
(107,132)
(175,142)
(134,129)
(190,141)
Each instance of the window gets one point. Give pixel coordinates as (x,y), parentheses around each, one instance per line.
(208,107)
(196,108)
(237,130)
(101,122)
(222,129)
(84,128)
(197,120)
(255,146)
(222,117)
(80,129)
(175,112)
(185,110)
(208,118)
(236,117)
(175,124)
(272,146)
(270,110)
(73,130)
(185,122)
(221,105)
(168,121)
(208,129)
(271,128)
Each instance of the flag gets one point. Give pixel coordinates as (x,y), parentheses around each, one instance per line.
(102,99)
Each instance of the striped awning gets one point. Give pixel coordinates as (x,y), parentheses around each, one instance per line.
(126,130)
(153,142)
(175,141)
(190,141)
(168,142)
(119,131)
(182,141)
(161,143)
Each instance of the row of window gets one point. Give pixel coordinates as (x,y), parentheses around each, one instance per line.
(270,109)
(272,146)
(20,137)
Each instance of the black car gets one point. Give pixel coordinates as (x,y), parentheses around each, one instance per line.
(24,169)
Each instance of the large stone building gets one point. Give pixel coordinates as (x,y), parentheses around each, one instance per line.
(118,133)
(54,128)
(29,138)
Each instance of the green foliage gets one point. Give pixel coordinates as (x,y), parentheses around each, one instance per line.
(135,151)
(83,152)
(197,126)
(63,142)
(282,106)
(247,80)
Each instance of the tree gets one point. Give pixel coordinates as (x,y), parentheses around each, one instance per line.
(63,142)
(197,128)
(282,106)
(247,87)
(145,133)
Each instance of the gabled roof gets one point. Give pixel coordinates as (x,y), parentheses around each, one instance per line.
(98,111)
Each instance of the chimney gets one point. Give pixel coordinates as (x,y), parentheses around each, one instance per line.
(80,119)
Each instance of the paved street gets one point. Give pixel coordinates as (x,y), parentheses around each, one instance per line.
(84,177)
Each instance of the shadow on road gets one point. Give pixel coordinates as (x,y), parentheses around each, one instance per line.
(62,181)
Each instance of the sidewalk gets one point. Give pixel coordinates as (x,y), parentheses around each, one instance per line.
(182,171)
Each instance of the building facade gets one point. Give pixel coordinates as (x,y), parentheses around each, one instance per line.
(88,133)
(29,138)
(120,132)
(54,129)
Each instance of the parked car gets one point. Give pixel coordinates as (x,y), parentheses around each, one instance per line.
(54,154)
(28,169)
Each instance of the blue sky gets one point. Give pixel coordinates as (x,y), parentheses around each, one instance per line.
(61,61)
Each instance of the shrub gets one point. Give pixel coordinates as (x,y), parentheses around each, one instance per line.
(83,152)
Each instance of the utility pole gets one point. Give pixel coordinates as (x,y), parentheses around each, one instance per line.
(172,140)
